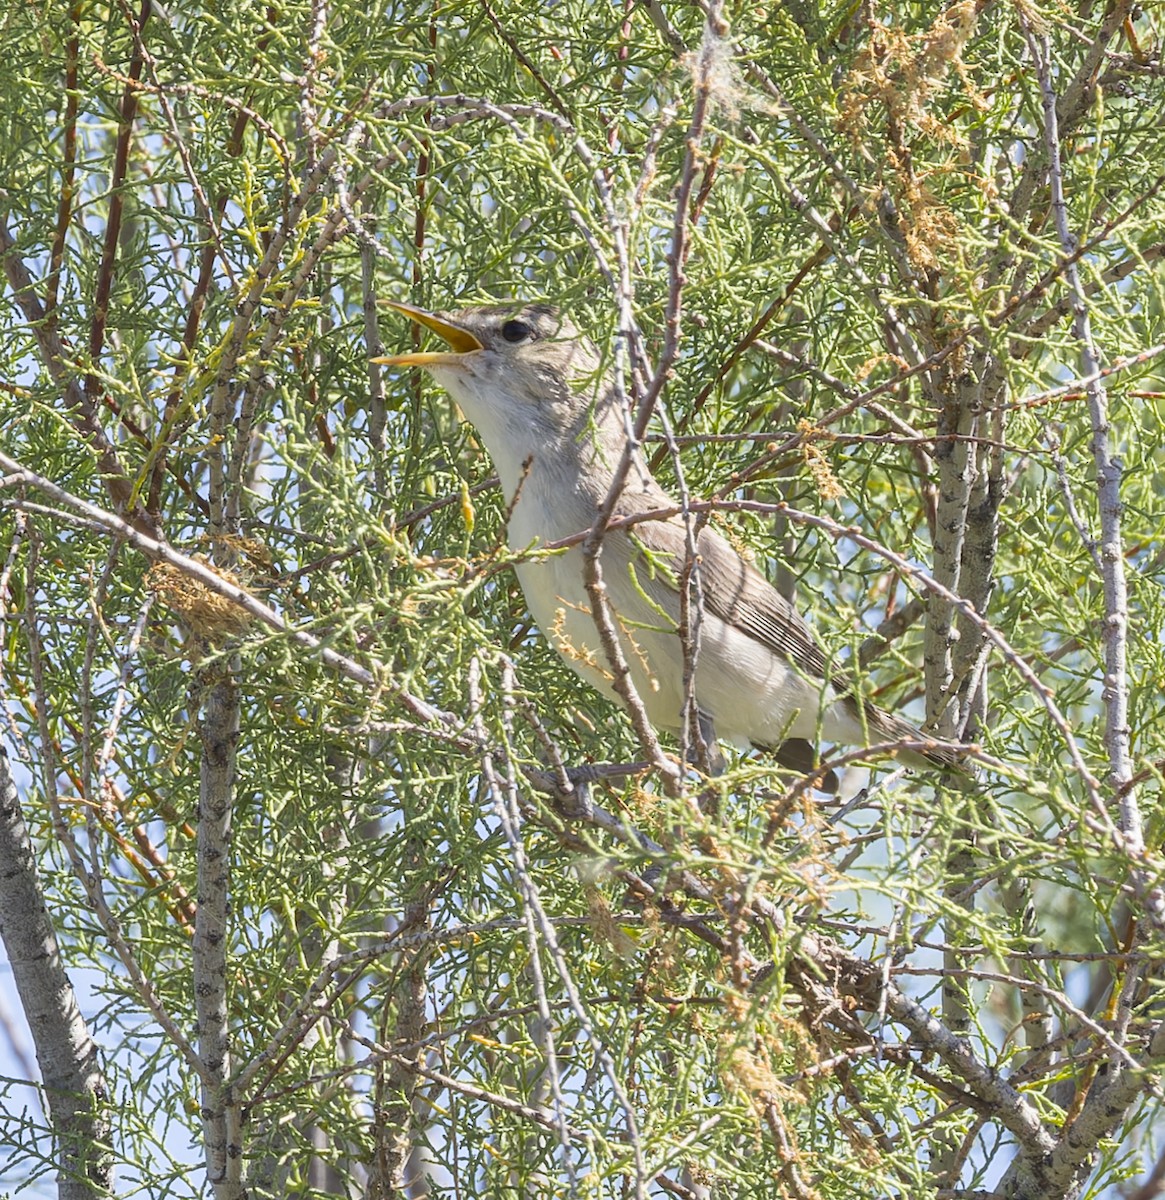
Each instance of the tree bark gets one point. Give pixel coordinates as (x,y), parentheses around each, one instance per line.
(74,1086)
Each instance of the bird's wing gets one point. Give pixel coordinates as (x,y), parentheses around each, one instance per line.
(740,595)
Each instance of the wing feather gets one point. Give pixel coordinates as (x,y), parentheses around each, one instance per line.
(741,596)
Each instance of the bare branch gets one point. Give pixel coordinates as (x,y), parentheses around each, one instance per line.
(73,1083)
(1117,735)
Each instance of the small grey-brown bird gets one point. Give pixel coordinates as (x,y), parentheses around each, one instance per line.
(549,413)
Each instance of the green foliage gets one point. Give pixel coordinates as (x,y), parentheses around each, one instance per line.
(874,185)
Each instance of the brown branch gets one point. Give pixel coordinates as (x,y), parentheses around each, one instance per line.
(551,95)
(82,412)
(1153,1184)
(749,339)
(129,107)
(890,630)
(194,314)
(65,207)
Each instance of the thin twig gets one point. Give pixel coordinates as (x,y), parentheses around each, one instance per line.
(1117,734)
(161,551)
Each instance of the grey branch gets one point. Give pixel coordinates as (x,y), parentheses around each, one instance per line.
(219,732)
(74,1086)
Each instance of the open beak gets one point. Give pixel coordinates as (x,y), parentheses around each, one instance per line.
(461,341)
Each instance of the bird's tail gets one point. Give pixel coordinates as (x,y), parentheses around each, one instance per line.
(882,726)
(798,755)
(875,725)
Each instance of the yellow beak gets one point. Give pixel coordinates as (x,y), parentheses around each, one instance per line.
(460,340)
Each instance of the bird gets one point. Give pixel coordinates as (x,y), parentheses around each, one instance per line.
(546,406)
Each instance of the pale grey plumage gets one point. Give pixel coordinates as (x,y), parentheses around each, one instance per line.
(547,410)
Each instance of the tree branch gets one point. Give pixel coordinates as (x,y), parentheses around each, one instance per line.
(74,1087)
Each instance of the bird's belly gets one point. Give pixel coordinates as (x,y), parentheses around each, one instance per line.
(751,694)
(558,601)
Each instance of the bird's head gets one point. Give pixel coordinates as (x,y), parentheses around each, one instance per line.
(522,373)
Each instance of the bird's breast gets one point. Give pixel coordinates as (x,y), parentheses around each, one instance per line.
(550,509)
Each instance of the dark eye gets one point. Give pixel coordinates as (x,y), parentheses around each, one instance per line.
(517,331)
